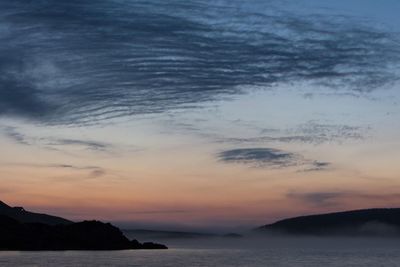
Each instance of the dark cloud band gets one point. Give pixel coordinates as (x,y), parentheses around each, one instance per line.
(269,157)
(86,61)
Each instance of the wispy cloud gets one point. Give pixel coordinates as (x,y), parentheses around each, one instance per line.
(317,166)
(66,62)
(54,143)
(174,211)
(319,132)
(95,171)
(269,157)
(12,133)
(90,145)
(321,199)
(91,171)
(311,132)
(335,198)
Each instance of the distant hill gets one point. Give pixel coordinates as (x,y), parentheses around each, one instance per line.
(156,234)
(369,222)
(21,215)
(175,235)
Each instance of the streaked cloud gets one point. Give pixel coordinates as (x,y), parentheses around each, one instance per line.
(68,62)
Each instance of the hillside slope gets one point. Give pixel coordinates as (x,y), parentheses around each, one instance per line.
(378,222)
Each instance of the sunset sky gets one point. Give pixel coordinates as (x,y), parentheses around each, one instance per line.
(199,113)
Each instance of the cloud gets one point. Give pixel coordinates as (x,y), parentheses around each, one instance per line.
(311,132)
(335,198)
(94,171)
(317,166)
(91,171)
(318,132)
(269,157)
(258,156)
(318,198)
(98,172)
(12,133)
(67,62)
(173,211)
(89,145)
(55,143)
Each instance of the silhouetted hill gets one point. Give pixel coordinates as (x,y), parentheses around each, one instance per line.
(376,222)
(87,235)
(21,215)
(23,230)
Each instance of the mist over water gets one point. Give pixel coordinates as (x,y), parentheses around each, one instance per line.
(257,241)
(252,252)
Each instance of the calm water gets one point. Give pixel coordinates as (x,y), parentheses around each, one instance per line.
(208,257)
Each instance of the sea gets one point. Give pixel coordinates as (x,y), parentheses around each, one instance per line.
(220,253)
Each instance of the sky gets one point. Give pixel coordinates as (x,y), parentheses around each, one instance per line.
(199,113)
